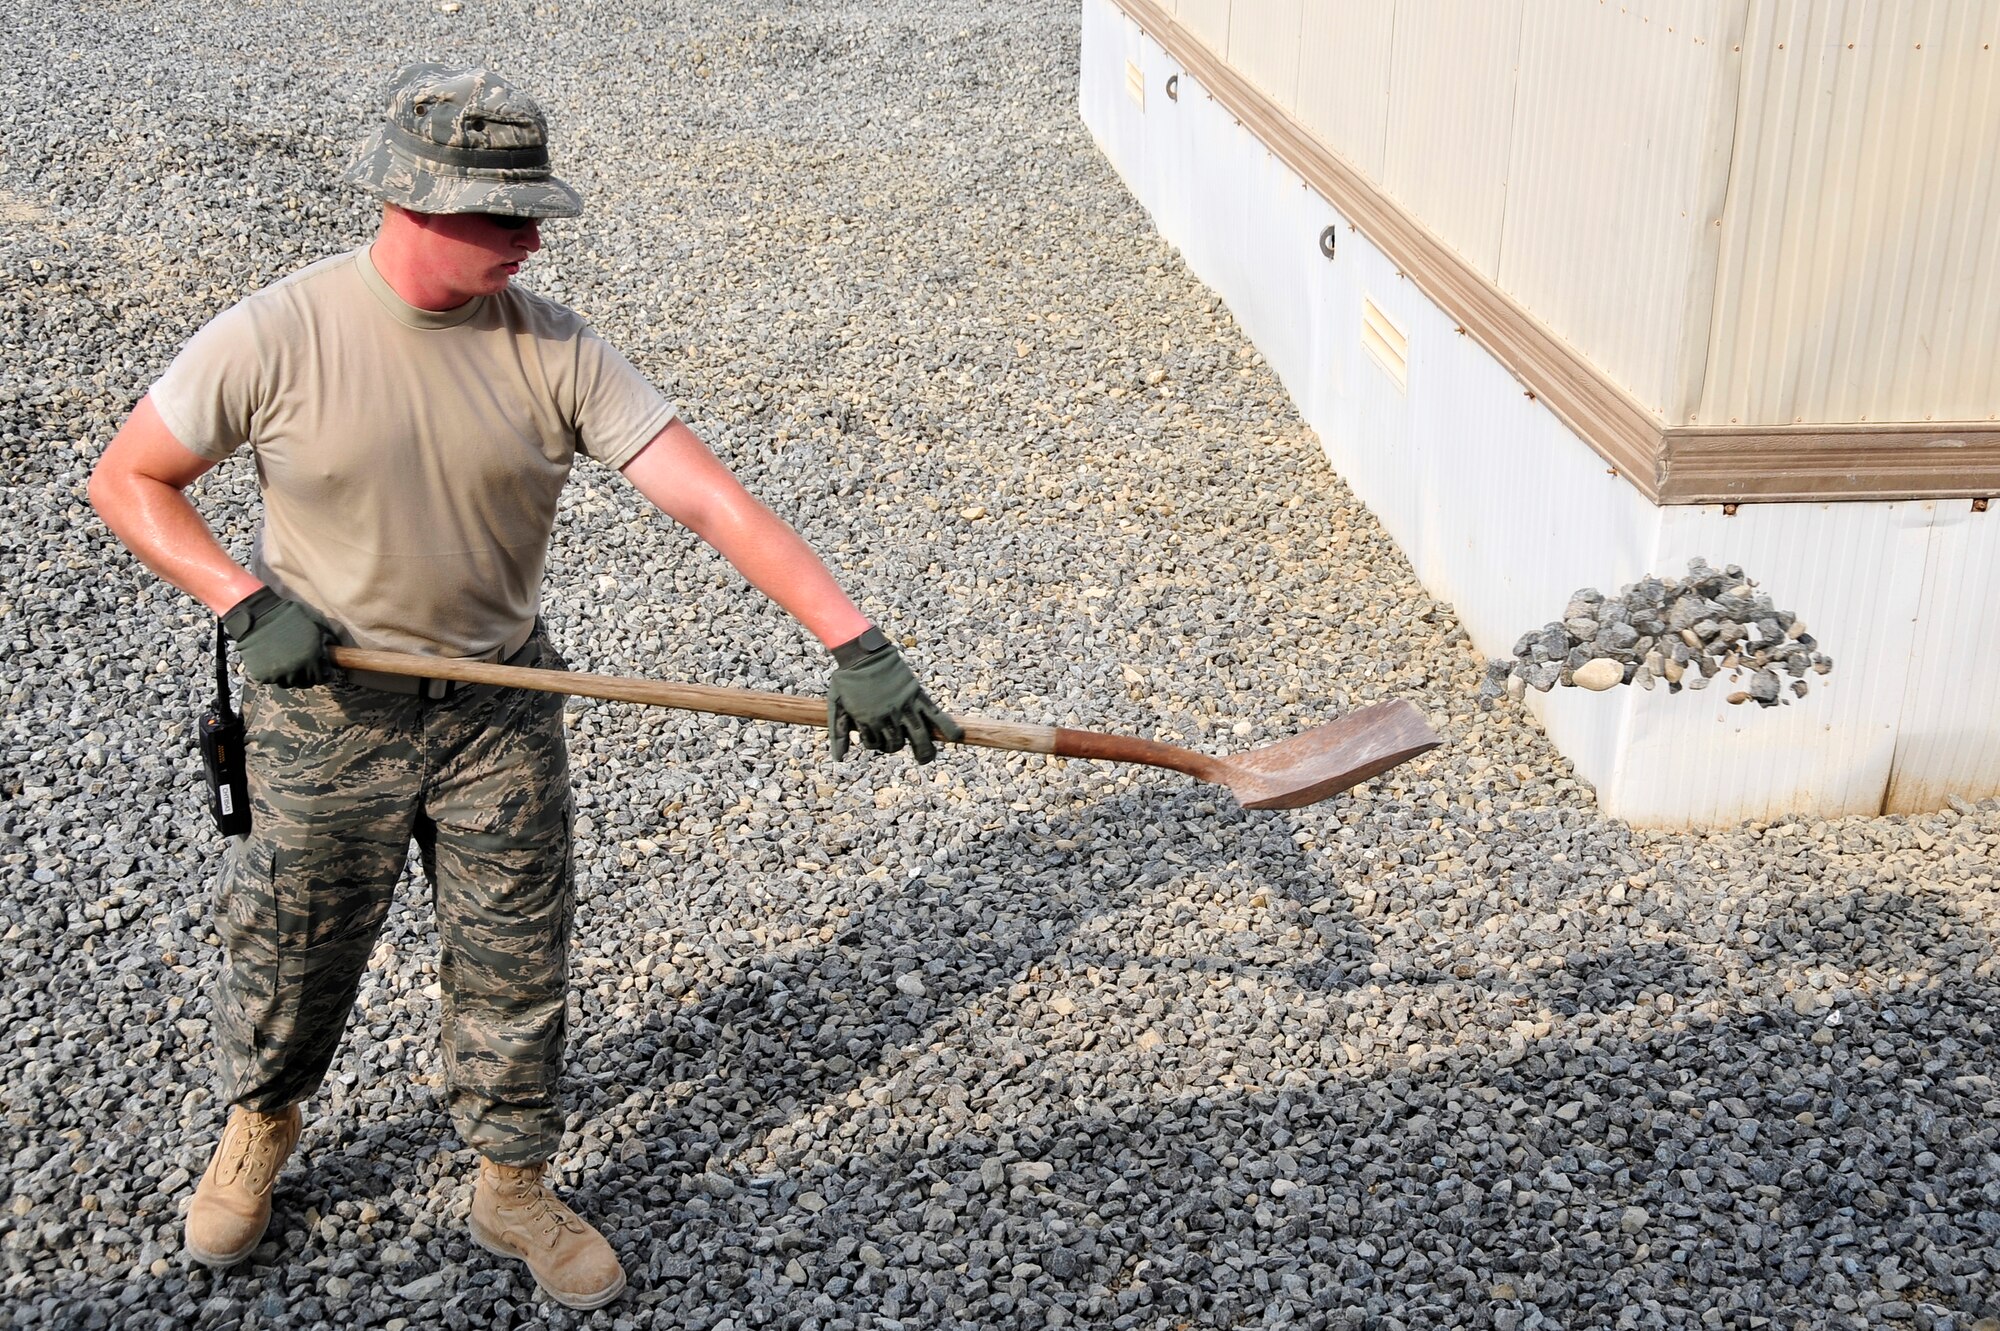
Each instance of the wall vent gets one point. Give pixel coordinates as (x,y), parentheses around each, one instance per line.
(1388,344)
(1135,84)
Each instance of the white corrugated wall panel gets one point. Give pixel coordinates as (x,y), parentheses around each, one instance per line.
(1264,46)
(1853,572)
(1501,510)
(1451,109)
(1618,169)
(1949,728)
(1213,241)
(1331,294)
(1860,263)
(1361,417)
(1208,20)
(1166,142)
(1281,243)
(1376,455)
(1110,41)
(1518,514)
(1343,99)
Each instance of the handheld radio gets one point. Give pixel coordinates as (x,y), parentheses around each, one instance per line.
(220,734)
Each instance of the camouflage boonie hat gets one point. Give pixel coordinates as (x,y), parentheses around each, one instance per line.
(462,141)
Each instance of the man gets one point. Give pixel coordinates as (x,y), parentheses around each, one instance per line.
(413,416)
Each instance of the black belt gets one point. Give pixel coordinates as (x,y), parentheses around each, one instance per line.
(436,690)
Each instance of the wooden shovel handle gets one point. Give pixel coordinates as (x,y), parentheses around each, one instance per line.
(753,703)
(1300,770)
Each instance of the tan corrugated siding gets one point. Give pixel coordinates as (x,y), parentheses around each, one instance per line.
(1264,46)
(1344,78)
(1208,20)
(1618,168)
(1451,110)
(1859,276)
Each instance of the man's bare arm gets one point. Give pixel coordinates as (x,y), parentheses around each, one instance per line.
(138,488)
(684,480)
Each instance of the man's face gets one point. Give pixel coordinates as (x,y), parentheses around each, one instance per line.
(473,254)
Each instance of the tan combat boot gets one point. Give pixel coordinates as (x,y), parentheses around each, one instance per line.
(232,1203)
(515,1215)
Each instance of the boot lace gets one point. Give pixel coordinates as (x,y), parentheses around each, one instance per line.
(253,1159)
(542,1211)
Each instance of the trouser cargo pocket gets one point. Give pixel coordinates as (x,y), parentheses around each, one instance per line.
(298,940)
(246,993)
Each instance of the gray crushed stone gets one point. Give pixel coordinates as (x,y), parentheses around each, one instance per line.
(1000,1042)
(1683,632)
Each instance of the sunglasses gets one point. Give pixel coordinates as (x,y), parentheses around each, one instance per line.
(506,223)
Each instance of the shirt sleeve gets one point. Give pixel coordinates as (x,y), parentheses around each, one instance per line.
(618,411)
(208,396)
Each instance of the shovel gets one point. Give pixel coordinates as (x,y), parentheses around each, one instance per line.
(1290,774)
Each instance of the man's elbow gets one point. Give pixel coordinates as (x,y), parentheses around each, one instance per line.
(102,489)
(118,491)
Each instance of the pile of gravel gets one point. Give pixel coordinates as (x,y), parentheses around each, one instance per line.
(1684,631)
(1001,1041)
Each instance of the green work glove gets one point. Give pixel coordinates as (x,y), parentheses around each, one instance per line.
(873,694)
(283,642)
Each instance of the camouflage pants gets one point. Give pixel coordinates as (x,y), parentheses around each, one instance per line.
(342,779)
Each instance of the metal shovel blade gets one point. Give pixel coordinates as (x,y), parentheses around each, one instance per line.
(1328,759)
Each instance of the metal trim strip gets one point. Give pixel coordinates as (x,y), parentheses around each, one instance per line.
(1776,463)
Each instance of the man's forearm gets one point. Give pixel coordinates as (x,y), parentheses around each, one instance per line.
(778,562)
(159,525)
(684,480)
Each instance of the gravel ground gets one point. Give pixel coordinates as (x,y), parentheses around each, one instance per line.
(998,1042)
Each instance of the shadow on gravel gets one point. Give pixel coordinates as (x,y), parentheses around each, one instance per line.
(1722,1154)
(1735,1155)
(1726,1167)
(818,1023)
(1619,975)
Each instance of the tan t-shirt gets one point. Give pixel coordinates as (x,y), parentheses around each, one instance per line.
(409,460)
